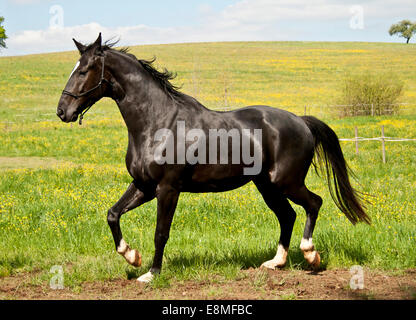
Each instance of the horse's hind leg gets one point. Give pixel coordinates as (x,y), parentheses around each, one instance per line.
(311,203)
(131,199)
(278,203)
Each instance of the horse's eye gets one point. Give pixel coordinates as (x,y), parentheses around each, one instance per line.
(83,72)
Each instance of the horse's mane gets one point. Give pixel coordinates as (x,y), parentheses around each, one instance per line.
(161,77)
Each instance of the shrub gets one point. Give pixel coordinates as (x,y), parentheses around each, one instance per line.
(370,94)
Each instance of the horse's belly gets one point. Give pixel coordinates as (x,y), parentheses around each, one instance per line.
(210,184)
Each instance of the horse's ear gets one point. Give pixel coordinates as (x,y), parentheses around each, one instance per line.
(80,46)
(97,42)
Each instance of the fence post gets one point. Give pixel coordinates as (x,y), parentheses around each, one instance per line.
(372,109)
(305,111)
(356,140)
(383,144)
(226,97)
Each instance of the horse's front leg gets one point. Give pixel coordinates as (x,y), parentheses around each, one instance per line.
(167,199)
(131,199)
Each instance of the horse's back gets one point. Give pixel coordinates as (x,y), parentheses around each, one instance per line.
(279,125)
(287,142)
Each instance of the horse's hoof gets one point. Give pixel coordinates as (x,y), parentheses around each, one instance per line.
(146,278)
(273,264)
(134,258)
(313,258)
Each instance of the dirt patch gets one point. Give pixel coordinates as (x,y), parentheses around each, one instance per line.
(252,285)
(30,162)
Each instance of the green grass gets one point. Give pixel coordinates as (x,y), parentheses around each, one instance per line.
(55,194)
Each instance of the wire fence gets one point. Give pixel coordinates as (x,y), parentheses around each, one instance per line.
(337,110)
(382,138)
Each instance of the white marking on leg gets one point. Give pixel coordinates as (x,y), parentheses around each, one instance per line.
(130,256)
(122,247)
(147,277)
(306,244)
(281,255)
(310,254)
(279,259)
(133,257)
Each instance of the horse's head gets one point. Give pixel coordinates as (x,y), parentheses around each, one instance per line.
(86,84)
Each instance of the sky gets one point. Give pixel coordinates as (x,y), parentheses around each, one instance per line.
(38,26)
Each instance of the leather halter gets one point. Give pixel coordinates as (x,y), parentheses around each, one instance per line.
(77,96)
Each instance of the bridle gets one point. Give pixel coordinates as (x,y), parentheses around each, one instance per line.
(77,96)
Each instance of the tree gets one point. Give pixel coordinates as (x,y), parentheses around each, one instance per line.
(404,29)
(2,34)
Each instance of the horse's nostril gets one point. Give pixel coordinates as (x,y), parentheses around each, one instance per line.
(60,112)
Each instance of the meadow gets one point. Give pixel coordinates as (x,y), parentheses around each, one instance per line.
(57,181)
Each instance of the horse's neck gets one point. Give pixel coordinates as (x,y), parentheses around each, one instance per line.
(140,99)
(139,113)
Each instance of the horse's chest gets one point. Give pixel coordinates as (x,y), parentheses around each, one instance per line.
(137,163)
(134,164)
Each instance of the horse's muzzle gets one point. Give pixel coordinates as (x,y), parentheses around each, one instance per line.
(62,115)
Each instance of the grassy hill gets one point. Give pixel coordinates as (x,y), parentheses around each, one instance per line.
(282,74)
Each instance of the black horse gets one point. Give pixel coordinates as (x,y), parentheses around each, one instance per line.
(149,103)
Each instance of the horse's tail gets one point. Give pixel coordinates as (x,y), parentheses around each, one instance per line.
(329,155)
